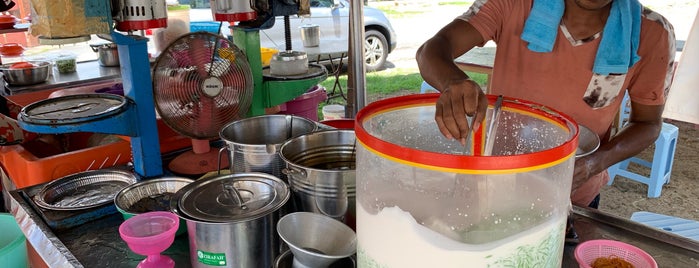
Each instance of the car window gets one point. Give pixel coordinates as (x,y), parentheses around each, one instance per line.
(321,3)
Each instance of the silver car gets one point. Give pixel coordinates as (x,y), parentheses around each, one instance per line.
(333,18)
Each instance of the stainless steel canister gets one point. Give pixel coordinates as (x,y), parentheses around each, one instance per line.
(231,219)
(310,35)
(321,171)
(253,143)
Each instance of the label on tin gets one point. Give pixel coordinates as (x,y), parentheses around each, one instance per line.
(210,258)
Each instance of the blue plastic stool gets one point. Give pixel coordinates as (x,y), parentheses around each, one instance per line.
(679,226)
(425,87)
(660,168)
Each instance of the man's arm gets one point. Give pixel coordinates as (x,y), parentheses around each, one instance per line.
(643,128)
(460,96)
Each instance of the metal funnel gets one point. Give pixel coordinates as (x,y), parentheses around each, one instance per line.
(315,240)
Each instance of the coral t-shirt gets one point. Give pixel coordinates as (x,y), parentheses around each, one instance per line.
(563,79)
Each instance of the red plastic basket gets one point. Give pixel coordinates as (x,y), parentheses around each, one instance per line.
(587,252)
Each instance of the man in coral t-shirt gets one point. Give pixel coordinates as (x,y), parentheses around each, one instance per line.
(565,71)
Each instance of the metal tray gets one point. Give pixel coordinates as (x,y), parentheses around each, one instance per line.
(84,190)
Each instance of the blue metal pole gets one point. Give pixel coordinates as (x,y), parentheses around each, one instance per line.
(138,86)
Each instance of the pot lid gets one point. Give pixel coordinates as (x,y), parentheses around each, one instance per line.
(232,198)
(73,109)
(289,55)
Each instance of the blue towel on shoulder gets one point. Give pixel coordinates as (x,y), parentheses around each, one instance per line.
(619,45)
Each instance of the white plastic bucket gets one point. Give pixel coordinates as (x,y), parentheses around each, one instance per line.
(333,111)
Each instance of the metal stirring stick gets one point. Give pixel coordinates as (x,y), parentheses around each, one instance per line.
(494,118)
(471,122)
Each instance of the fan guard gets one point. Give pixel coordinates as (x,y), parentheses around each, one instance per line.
(201,82)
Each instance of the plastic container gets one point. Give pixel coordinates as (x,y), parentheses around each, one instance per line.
(13,244)
(205,26)
(333,112)
(587,252)
(306,105)
(266,55)
(340,123)
(26,169)
(66,63)
(426,201)
(150,234)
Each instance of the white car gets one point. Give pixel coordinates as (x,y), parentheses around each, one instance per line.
(333,18)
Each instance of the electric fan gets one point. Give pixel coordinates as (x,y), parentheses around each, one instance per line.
(201,82)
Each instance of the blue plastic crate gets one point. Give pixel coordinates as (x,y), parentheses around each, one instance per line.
(206,26)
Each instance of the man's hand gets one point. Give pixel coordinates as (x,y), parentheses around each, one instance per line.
(460,98)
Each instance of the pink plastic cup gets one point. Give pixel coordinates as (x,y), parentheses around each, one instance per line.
(150,234)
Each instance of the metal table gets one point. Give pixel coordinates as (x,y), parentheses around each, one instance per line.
(85,73)
(97,242)
(332,50)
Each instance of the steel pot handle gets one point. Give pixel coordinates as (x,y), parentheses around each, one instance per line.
(218,166)
(94,48)
(292,171)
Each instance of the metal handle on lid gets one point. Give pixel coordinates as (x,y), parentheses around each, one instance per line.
(233,194)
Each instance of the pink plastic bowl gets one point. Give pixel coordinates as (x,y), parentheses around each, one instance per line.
(149,233)
(587,252)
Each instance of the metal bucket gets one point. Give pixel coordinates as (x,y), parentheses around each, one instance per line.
(320,167)
(231,219)
(310,35)
(253,143)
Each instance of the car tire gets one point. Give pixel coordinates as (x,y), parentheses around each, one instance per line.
(375,50)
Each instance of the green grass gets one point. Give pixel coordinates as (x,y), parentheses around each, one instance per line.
(396,81)
(386,84)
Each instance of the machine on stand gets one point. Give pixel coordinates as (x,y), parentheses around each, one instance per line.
(134,114)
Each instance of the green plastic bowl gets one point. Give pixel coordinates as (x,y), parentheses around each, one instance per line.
(13,244)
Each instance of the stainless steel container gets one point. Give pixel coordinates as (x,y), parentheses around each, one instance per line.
(289,63)
(107,54)
(321,171)
(286,259)
(588,142)
(26,76)
(231,219)
(310,35)
(253,143)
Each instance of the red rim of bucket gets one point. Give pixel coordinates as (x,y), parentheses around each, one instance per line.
(467,164)
(345,123)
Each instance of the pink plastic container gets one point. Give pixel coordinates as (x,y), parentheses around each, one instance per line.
(587,252)
(150,234)
(306,105)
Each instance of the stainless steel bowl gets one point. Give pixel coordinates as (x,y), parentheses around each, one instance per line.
(149,193)
(588,142)
(28,76)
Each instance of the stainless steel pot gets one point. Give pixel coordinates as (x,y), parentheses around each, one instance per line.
(231,219)
(320,167)
(253,143)
(289,63)
(107,54)
(310,35)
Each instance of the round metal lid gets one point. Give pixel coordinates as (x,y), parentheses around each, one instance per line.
(73,109)
(232,198)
